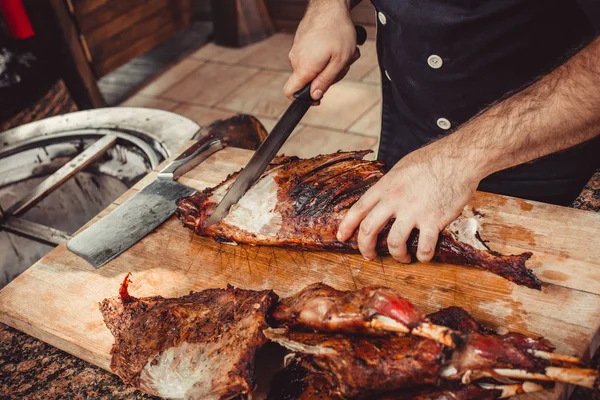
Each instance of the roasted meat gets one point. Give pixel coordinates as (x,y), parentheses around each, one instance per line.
(300,203)
(295,382)
(457,391)
(474,352)
(449,391)
(373,310)
(379,310)
(483,348)
(487,354)
(199,346)
(336,367)
(361,365)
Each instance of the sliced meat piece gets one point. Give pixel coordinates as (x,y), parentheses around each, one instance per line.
(323,308)
(484,349)
(458,319)
(358,366)
(295,382)
(301,202)
(372,310)
(199,346)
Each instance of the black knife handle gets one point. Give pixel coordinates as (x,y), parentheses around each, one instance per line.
(304,93)
(361,34)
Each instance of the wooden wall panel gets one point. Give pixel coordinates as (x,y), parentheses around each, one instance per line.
(85,6)
(136,40)
(116,31)
(99,17)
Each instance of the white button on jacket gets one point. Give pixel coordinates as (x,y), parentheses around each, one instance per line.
(381,17)
(435,61)
(444,124)
(387,75)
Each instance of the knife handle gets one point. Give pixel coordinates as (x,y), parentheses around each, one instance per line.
(191,157)
(304,93)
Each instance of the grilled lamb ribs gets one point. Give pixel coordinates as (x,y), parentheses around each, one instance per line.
(295,382)
(301,202)
(361,366)
(472,351)
(199,346)
(372,310)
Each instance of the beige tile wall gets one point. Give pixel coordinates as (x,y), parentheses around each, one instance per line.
(217,82)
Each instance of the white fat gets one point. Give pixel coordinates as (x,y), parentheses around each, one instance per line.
(465,227)
(315,310)
(502,330)
(175,371)
(279,336)
(382,322)
(255,211)
(188,371)
(448,371)
(218,193)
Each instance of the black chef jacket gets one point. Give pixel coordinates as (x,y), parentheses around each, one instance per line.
(443,61)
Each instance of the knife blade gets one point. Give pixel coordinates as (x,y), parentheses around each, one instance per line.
(270,146)
(143,212)
(264,154)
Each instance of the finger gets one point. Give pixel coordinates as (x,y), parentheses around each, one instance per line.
(357,213)
(370,227)
(299,78)
(428,237)
(397,238)
(325,79)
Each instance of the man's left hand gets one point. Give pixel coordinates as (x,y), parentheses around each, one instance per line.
(426,190)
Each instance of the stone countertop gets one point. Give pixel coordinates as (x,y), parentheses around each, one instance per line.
(31,369)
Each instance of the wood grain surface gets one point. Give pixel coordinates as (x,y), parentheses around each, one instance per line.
(56,300)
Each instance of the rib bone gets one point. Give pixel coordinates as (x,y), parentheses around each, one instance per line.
(546,355)
(588,378)
(513,390)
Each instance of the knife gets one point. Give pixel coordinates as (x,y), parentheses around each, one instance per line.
(271,145)
(145,211)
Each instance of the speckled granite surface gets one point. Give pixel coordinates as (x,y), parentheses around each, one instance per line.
(31,369)
(589,199)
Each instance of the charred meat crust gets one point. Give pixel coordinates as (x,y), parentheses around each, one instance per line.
(448,391)
(321,308)
(313,196)
(360,366)
(511,267)
(144,328)
(336,366)
(297,383)
(484,348)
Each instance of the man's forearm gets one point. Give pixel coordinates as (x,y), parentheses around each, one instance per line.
(559,111)
(350,4)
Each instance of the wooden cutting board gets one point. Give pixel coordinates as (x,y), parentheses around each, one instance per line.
(56,300)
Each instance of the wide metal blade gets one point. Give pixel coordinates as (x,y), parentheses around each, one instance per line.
(128,223)
(261,159)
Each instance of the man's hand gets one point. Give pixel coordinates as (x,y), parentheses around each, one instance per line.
(425,190)
(324,47)
(428,188)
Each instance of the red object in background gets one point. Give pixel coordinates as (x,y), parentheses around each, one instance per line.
(16,19)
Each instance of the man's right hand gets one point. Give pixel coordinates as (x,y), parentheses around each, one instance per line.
(323,49)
